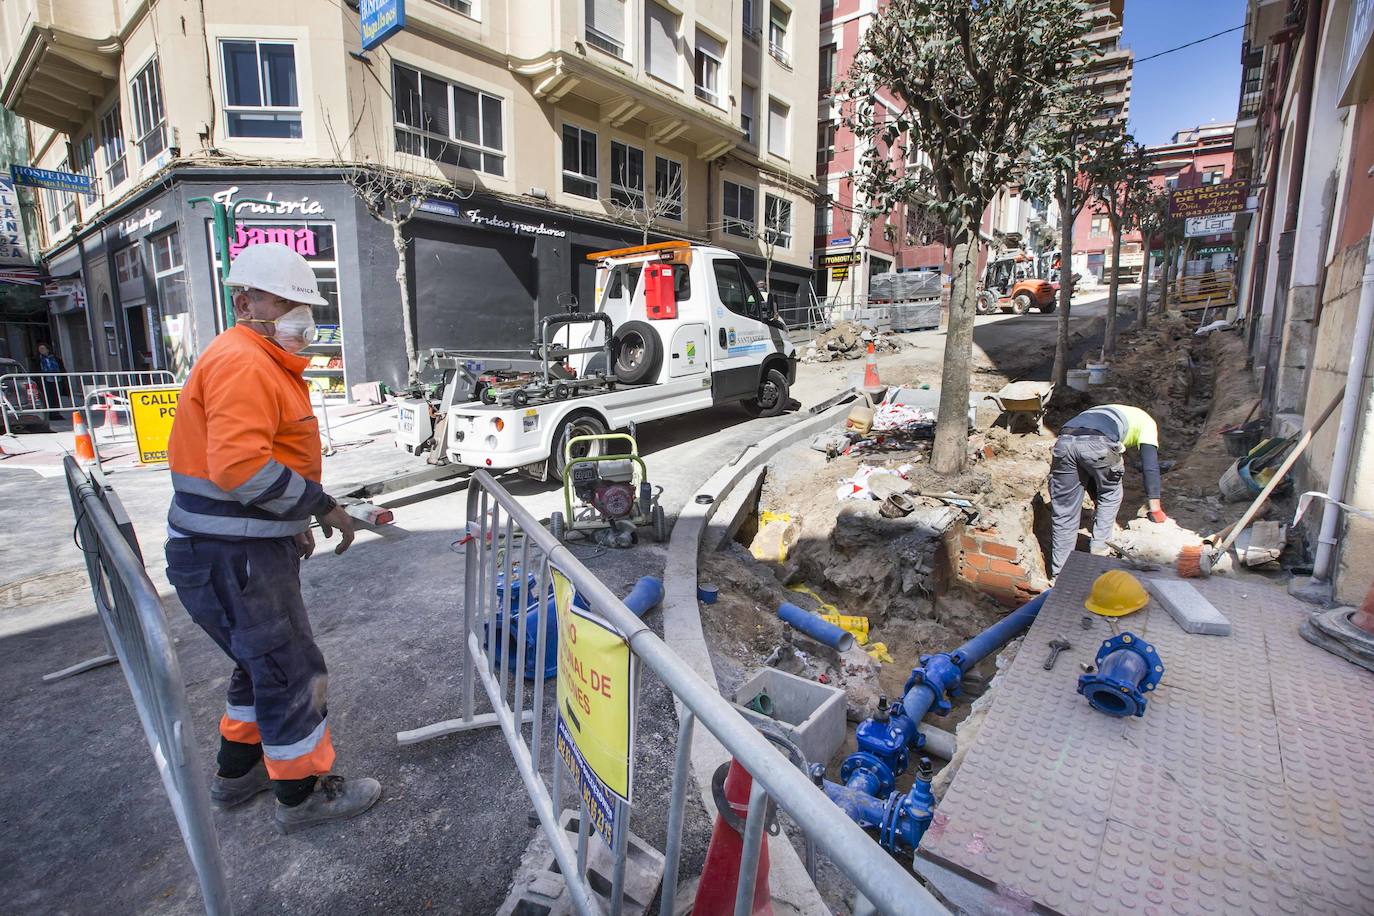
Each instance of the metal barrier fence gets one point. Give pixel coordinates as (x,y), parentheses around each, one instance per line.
(506,544)
(47,394)
(136,627)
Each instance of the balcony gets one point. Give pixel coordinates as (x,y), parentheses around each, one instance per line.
(1267,18)
(61,57)
(694,113)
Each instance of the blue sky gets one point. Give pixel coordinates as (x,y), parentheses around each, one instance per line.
(1189,87)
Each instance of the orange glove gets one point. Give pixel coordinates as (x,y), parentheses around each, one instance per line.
(1158,517)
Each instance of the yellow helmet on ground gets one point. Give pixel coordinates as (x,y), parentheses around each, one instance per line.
(1117,593)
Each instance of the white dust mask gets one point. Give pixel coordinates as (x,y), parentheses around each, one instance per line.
(296,326)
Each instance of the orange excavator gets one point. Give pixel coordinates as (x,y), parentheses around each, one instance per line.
(1014,283)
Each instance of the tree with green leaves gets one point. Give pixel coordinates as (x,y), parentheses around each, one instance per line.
(1151,207)
(967,84)
(1072,139)
(1114,177)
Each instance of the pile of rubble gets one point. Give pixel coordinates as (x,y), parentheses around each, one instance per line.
(847,340)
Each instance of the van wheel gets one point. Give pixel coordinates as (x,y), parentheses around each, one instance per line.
(772,396)
(580,424)
(637,353)
(1021,304)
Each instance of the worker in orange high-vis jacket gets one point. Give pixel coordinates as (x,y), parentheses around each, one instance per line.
(245,462)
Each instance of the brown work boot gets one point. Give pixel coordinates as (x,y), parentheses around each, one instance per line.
(334,799)
(226,792)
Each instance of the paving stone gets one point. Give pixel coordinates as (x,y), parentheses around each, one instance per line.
(1241,790)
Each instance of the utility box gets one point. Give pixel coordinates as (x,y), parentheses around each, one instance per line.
(660,299)
(812,714)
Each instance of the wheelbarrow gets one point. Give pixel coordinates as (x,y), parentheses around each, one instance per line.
(1024,401)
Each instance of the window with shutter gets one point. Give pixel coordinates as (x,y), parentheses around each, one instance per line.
(777,128)
(710,54)
(660,44)
(748,112)
(606,26)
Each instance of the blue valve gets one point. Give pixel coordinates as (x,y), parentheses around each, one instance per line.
(1128,668)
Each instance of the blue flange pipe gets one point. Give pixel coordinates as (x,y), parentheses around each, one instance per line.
(816,627)
(646,595)
(885,740)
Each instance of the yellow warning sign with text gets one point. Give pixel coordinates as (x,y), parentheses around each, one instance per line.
(152,411)
(596,684)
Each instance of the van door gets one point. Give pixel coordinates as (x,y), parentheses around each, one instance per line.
(741,337)
(689,354)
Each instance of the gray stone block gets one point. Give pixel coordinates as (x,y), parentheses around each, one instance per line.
(1194,613)
(810,713)
(541,890)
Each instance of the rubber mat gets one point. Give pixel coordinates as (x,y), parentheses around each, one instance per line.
(1243,789)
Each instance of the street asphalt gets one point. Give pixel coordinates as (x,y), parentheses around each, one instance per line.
(87,827)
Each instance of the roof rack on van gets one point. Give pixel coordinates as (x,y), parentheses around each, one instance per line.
(638,249)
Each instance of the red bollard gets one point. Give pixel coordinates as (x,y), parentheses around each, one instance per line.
(720,875)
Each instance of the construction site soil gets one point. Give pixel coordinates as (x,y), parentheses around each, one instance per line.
(921,592)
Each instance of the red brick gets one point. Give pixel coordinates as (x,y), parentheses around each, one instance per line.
(1006,552)
(989,531)
(969,543)
(977,561)
(1007,569)
(995,582)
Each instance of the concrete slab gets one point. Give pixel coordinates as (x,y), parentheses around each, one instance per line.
(1239,791)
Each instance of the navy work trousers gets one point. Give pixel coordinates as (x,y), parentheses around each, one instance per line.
(246,595)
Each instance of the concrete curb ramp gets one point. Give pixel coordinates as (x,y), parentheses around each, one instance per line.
(789,882)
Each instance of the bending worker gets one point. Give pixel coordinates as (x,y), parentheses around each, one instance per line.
(1088,454)
(245,460)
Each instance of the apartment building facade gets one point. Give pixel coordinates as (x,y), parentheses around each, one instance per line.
(1194,157)
(848,253)
(1305,140)
(558,128)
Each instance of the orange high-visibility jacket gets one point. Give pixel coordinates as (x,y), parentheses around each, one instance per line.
(245,446)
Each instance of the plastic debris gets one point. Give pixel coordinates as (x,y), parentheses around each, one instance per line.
(878,652)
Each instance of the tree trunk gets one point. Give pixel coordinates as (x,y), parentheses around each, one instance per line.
(950,452)
(1142,305)
(398,241)
(1060,374)
(1109,334)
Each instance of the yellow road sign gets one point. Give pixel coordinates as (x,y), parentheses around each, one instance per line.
(152,411)
(596,685)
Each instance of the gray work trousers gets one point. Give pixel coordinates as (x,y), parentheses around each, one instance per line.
(1083,461)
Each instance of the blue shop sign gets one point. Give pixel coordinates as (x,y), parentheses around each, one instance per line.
(49,178)
(379,20)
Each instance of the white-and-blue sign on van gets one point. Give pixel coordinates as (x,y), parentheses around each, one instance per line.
(379,20)
(50,178)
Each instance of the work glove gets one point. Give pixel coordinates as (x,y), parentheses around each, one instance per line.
(1158,517)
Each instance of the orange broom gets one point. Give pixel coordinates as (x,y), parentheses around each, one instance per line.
(1196,561)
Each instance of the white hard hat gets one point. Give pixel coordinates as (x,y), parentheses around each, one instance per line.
(274,268)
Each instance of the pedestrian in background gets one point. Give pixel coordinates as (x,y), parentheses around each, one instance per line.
(50,364)
(245,461)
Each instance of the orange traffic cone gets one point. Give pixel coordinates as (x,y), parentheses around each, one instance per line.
(85,451)
(720,874)
(872,385)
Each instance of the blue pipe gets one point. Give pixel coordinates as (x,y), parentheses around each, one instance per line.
(816,627)
(646,595)
(885,739)
(901,820)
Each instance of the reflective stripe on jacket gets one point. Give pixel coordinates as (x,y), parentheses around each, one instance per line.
(245,446)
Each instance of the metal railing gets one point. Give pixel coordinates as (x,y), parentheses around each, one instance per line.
(506,544)
(53,393)
(136,627)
